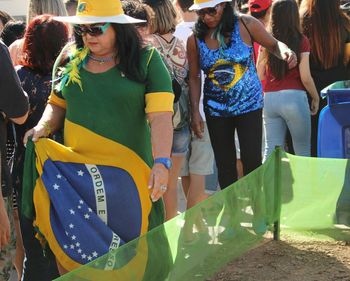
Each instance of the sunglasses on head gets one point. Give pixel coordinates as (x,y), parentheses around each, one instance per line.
(208,11)
(95,30)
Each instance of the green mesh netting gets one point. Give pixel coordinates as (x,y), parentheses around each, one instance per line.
(308,195)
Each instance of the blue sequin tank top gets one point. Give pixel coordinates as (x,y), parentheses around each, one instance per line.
(231,86)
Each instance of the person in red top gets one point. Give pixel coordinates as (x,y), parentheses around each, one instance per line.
(261,10)
(285,102)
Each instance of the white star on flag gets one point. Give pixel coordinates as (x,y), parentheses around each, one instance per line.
(79,251)
(72,212)
(59,176)
(74,237)
(94,254)
(56,186)
(72,246)
(80,173)
(89,258)
(81,202)
(71,226)
(65,246)
(90,210)
(83,256)
(87,216)
(79,207)
(77,244)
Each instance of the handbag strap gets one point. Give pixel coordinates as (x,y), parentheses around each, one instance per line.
(251,37)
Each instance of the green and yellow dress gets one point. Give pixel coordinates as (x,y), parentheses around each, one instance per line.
(91,194)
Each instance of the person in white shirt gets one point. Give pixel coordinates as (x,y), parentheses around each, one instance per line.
(200,158)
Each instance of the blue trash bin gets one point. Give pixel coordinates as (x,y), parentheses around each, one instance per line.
(334,122)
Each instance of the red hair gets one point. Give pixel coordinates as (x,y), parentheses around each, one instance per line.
(43,41)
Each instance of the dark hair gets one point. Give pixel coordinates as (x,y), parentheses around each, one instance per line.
(227,22)
(322,23)
(12,31)
(128,44)
(138,10)
(5,17)
(43,41)
(259,15)
(285,27)
(185,4)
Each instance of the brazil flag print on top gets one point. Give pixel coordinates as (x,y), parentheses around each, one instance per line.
(90,195)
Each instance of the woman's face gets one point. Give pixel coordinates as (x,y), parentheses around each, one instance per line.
(212,16)
(99,38)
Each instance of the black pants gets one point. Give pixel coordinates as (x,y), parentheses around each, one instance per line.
(222,136)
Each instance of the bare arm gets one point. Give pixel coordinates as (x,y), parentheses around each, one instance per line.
(261,65)
(261,36)
(162,138)
(308,81)
(194,85)
(20,120)
(4,224)
(51,121)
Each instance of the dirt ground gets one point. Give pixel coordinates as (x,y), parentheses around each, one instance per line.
(291,260)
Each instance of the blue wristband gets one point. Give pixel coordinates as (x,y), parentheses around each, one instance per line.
(165,161)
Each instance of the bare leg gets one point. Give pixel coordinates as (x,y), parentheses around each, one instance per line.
(170,196)
(239,168)
(196,191)
(185,180)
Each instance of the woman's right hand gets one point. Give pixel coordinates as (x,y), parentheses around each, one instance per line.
(39,131)
(197,124)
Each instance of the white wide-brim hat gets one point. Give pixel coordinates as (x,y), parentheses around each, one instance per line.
(99,11)
(202,4)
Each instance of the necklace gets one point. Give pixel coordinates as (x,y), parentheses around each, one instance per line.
(101,60)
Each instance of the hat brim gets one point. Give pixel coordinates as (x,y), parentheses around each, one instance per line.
(209,4)
(122,19)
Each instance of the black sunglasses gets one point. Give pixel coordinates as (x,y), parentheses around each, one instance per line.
(208,11)
(91,30)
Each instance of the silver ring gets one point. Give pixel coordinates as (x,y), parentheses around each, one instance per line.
(163,187)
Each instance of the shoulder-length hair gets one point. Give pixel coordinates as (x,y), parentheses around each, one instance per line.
(226,23)
(43,41)
(323,22)
(285,27)
(40,7)
(128,45)
(165,16)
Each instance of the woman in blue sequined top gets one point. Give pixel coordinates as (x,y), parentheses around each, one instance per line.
(222,47)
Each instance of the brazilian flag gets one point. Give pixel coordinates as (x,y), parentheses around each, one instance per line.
(84,211)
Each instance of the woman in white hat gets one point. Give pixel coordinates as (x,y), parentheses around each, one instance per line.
(114,100)
(222,47)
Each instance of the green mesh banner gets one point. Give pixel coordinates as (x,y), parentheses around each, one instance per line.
(316,197)
(309,196)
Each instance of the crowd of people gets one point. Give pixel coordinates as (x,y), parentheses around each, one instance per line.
(144,92)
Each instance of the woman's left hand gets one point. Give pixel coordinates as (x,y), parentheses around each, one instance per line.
(158,181)
(291,58)
(315,103)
